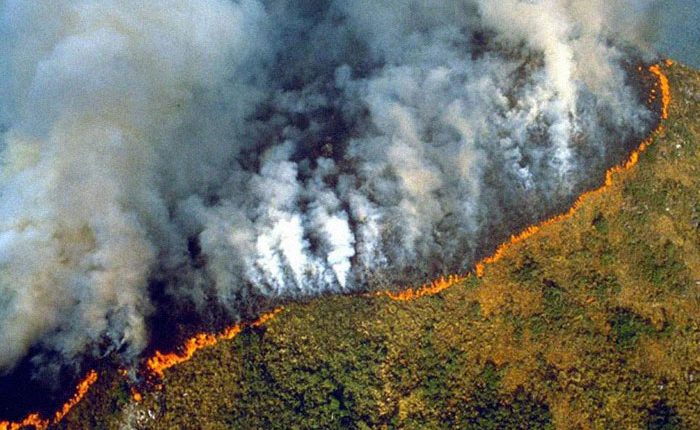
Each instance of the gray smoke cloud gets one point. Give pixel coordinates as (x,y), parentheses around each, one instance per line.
(275,148)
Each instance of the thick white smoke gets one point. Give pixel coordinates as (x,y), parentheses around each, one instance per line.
(111,109)
(276,148)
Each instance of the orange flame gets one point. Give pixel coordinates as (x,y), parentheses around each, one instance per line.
(40,423)
(160,362)
(609,176)
(81,391)
(444,283)
(136,395)
(429,289)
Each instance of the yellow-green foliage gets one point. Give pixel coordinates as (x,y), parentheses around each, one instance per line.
(594,322)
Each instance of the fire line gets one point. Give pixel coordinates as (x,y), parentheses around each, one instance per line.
(39,423)
(446,282)
(159,362)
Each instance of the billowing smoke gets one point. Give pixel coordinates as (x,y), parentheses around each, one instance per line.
(274,148)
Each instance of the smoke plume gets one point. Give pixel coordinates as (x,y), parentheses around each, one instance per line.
(234,149)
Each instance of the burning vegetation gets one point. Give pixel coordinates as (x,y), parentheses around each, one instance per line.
(497,375)
(184,159)
(36,421)
(160,362)
(588,323)
(434,287)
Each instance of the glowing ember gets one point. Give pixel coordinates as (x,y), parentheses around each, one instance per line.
(136,395)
